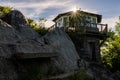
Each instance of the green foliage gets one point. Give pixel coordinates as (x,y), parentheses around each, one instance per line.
(111,50)
(80,75)
(40,29)
(5,10)
(32,23)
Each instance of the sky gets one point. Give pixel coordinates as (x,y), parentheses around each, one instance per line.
(49,9)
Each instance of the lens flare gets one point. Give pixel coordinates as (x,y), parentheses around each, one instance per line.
(74,9)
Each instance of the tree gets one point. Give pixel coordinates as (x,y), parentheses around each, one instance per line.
(32,23)
(41,29)
(41,22)
(5,10)
(111,49)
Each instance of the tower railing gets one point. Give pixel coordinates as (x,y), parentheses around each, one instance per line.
(90,27)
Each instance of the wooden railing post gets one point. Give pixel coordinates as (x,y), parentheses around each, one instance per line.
(106,28)
(101,27)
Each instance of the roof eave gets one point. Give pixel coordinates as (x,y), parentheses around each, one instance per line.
(99,17)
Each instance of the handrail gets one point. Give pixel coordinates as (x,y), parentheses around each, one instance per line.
(102,28)
(52,27)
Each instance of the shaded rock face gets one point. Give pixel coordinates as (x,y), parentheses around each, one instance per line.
(7,33)
(24,54)
(99,72)
(116,75)
(7,69)
(67,55)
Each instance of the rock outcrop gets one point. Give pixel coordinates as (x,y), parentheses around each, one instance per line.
(25,55)
(17,20)
(21,38)
(67,55)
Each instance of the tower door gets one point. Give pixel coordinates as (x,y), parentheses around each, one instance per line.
(92,51)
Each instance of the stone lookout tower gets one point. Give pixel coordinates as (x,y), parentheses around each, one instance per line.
(86,31)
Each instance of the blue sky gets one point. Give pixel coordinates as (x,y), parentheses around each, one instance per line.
(110,9)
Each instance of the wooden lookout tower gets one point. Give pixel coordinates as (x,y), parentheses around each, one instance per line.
(86,31)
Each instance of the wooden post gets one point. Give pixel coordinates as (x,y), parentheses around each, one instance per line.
(55,24)
(106,28)
(101,27)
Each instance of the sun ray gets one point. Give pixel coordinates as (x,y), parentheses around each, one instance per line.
(75,9)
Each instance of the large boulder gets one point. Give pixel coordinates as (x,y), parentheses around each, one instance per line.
(67,59)
(18,43)
(26,51)
(18,21)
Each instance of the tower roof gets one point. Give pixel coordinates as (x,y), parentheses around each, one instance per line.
(99,17)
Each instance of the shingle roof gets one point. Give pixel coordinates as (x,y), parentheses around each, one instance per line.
(99,17)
